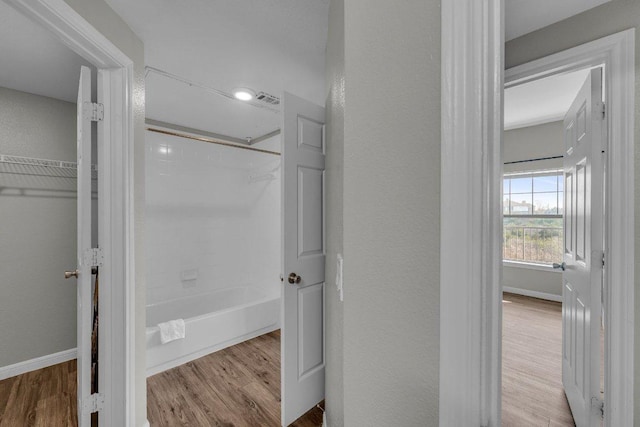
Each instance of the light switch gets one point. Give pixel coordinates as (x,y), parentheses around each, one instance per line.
(339,277)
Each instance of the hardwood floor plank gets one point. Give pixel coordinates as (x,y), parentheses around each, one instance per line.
(266,399)
(21,406)
(313,418)
(532,392)
(239,385)
(46,397)
(5,392)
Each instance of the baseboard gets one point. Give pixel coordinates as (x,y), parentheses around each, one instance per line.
(37,363)
(534,294)
(146,424)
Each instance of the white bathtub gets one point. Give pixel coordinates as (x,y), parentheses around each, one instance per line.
(213,321)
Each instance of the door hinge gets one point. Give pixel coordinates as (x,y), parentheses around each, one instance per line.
(93,403)
(602,259)
(93,257)
(604,111)
(597,405)
(93,111)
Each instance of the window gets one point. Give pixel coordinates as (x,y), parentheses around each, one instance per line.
(533,207)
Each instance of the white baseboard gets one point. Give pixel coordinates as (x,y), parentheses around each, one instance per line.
(37,363)
(534,294)
(146,424)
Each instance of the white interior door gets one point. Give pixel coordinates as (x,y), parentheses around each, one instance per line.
(583,251)
(85,258)
(303,157)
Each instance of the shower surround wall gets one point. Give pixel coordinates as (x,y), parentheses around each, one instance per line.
(213,218)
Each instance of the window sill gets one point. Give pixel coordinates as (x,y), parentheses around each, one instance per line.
(531,266)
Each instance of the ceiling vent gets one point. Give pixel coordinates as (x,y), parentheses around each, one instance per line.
(268,98)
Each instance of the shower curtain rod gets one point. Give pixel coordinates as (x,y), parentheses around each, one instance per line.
(210,140)
(217,136)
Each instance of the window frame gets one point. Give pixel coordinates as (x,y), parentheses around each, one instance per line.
(559,173)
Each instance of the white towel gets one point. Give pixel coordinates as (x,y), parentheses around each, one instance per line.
(171,330)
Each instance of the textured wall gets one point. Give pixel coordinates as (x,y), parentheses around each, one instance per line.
(548,282)
(105,20)
(609,18)
(334,322)
(38,229)
(391,201)
(533,142)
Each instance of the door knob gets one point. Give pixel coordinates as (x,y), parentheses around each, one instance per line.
(560,266)
(294,278)
(70,274)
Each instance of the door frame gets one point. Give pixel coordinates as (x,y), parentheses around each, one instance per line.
(616,53)
(472,121)
(115,217)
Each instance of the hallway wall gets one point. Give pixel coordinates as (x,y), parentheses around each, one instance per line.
(391,211)
(334,321)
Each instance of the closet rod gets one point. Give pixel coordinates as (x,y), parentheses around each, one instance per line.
(210,141)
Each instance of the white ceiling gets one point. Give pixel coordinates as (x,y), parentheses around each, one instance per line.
(33,60)
(172,101)
(541,101)
(266,45)
(525,16)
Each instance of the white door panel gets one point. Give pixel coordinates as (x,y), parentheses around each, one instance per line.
(583,237)
(303,158)
(84,300)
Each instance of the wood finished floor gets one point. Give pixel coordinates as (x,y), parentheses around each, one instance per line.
(46,397)
(532,392)
(235,387)
(240,386)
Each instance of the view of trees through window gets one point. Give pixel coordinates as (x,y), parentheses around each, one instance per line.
(533,207)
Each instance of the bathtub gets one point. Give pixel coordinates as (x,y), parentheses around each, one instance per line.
(213,321)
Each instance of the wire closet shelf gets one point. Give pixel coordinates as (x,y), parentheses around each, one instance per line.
(41,167)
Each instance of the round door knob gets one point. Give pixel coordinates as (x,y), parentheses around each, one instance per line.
(70,274)
(294,278)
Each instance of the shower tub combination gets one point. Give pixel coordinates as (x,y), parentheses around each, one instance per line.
(213,232)
(213,321)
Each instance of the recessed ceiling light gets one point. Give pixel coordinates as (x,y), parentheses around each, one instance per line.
(244,94)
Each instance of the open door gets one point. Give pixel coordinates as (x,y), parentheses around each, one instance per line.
(583,252)
(88,257)
(303,157)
